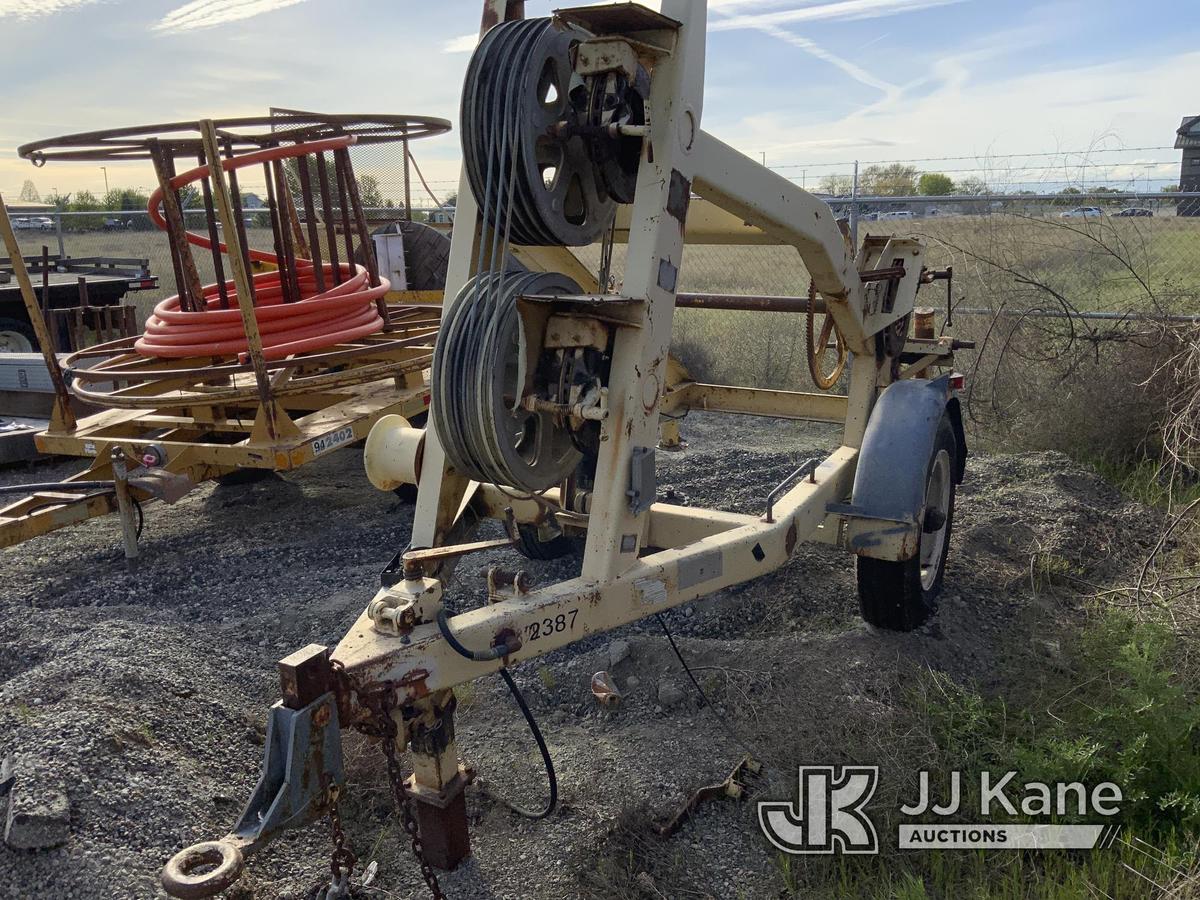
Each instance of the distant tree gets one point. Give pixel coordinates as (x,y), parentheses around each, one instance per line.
(1170,189)
(837,185)
(126,199)
(935,184)
(894,180)
(973,186)
(1070,191)
(60,201)
(189,198)
(29,192)
(85,201)
(369,193)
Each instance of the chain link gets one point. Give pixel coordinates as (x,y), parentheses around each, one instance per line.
(381,725)
(407,820)
(342,861)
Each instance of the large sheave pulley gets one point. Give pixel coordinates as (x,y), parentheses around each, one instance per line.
(480,372)
(540,163)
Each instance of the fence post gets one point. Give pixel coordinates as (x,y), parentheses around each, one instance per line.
(58,228)
(854,210)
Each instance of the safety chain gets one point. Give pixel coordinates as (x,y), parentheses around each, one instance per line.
(341,863)
(383,726)
(407,820)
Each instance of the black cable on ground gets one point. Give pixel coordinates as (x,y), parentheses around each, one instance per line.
(737,738)
(496,652)
(551,778)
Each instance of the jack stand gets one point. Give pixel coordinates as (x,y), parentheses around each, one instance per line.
(438,785)
(129,535)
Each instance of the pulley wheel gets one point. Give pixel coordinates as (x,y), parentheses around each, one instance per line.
(479,373)
(540,188)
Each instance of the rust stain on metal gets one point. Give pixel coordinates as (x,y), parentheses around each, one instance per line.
(414,680)
(679,195)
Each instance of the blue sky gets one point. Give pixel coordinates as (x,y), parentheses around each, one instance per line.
(810,83)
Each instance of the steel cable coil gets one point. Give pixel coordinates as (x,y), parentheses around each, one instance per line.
(533,187)
(479,373)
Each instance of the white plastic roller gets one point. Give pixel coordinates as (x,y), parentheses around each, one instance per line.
(393,452)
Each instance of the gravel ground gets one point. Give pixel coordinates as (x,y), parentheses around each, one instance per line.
(142,698)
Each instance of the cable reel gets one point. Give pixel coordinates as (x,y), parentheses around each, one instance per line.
(542,145)
(507,411)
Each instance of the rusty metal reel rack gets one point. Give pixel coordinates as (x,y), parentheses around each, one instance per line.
(168,424)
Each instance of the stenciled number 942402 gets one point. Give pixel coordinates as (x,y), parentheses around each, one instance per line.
(540,628)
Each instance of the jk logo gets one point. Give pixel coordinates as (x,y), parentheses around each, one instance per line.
(828,814)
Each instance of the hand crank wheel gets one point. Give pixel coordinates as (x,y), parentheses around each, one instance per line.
(818,346)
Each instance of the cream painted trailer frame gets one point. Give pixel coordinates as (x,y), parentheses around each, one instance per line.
(394,672)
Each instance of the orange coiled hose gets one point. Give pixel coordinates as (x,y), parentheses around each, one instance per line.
(318,320)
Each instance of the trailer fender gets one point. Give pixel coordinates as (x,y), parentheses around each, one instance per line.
(882,519)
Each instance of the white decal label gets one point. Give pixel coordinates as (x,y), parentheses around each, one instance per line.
(330,441)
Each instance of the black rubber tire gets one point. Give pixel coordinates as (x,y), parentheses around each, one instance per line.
(22,327)
(890,594)
(426,254)
(531,546)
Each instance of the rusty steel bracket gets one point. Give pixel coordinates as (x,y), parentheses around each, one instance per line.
(414,560)
(733,787)
(302,770)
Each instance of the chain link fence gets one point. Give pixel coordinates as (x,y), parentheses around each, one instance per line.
(1029,273)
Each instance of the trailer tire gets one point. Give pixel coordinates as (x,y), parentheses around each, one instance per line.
(902,595)
(531,546)
(17,336)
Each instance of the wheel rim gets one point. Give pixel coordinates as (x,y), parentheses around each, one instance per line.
(937,502)
(14,342)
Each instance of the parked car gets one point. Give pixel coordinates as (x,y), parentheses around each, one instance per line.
(898,214)
(33,223)
(118,224)
(1081,212)
(1136,212)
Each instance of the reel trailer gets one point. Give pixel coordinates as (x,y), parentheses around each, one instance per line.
(548,396)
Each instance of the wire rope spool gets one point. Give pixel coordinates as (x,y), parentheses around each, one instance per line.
(535,144)
(480,374)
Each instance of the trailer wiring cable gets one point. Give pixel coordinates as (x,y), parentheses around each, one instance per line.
(319,319)
(497,652)
(733,735)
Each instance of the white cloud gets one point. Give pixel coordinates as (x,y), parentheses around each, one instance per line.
(841,10)
(32,9)
(210,13)
(858,73)
(464,43)
(1108,105)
